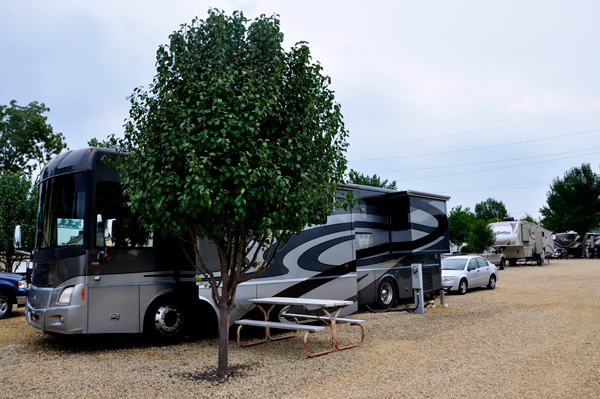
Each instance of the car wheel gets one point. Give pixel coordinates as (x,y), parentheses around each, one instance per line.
(386,295)
(492,284)
(5,306)
(462,287)
(164,322)
(503,264)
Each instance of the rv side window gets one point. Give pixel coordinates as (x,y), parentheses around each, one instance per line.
(125,230)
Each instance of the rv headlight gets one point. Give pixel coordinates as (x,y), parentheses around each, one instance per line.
(447,278)
(65,296)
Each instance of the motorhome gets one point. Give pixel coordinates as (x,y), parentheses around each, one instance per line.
(138,281)
(522,240)
(571,241)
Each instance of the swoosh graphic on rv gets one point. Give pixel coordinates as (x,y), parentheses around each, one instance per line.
(278,268)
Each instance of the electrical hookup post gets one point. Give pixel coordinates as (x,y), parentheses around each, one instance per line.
(417,284)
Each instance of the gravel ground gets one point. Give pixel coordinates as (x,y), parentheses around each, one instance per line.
(537,335)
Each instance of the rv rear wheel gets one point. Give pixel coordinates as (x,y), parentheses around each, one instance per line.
(386,294)
(164,322)
(512,262)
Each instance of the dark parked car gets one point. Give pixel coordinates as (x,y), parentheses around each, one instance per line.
(13,290)
(560,253)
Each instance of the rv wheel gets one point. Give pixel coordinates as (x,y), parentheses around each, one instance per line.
(386,295)
(164,322)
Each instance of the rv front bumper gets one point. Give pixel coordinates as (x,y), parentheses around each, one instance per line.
(59,320)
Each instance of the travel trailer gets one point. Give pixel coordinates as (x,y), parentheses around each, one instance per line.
(522,240)
(137,281)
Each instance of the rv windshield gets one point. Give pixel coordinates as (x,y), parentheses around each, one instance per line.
(61,212)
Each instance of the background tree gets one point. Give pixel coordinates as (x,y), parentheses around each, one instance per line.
(111,141)
(18,204)
(237,141)
(374,181)
(26,139)
(460,222)
(487,209)
(481,236)
(528,218)
(573,203)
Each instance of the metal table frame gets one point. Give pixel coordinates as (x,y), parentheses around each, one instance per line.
(331,308)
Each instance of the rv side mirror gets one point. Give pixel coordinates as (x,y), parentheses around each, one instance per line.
(109,240)
(17,239)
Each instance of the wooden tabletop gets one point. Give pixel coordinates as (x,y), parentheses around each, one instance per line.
(322,303)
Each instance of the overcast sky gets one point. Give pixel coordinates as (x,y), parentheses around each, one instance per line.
(471,99)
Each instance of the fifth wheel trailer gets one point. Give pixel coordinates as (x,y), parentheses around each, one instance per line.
(522,240)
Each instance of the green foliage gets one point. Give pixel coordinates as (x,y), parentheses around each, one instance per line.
(373,181)
(236,140)
(110,142)
(481,236)
(528,218)
(18,204)
(573,203)
(26,139)
(487,209)
(460,222)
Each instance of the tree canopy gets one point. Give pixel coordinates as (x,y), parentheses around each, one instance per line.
(18,205)
(573,202)
(236,140)
(490,210)
(111,141)
(26,139)
(374,181)
(481,236)
(460,223)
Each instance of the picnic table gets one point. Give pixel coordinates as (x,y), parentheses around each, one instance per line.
(330,308)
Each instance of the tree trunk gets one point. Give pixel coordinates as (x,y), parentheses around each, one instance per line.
(223,367)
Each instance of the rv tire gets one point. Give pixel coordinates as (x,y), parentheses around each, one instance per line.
(462,287)
(386,294)
(164,322)
(512,262)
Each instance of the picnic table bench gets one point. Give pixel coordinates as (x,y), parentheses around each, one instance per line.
(329,319)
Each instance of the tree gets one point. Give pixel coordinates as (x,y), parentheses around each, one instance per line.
(528,218)
(490,209)
(460,223)
(374,181)
(481,236)
(26,139)
(111,141)
(573,203)
(237,141)
(18,205)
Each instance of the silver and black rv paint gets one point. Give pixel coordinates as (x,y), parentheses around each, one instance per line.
(363,255)
(571,241)
(97,270)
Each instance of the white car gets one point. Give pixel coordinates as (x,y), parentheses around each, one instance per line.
(462,272)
